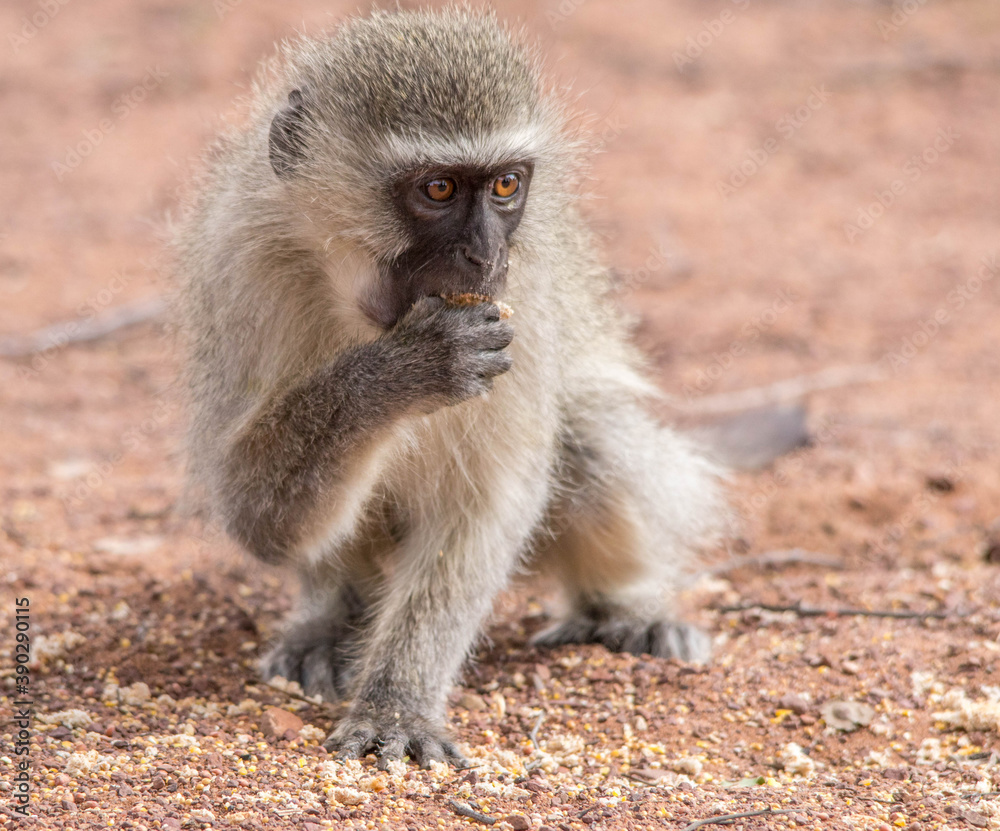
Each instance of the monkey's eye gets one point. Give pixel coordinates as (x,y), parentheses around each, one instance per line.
(440,190)
(506,186)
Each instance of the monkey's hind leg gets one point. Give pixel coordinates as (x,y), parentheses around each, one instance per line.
(319,643)
(637,503)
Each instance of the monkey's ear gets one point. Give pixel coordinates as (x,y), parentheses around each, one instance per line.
(287,139)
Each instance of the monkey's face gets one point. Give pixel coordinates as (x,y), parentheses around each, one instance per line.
(435,210)
(460,221)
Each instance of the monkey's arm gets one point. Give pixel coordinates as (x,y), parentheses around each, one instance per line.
(306,449)
(301,446)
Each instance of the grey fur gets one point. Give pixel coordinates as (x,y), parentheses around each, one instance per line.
(406,473)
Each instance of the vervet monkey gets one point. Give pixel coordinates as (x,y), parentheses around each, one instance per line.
(402,454)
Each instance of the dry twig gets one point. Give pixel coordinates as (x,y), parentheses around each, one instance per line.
(727,819)
(464,810)
(69,332)
(807,611)
(533,735)
(781,557)
(791,389)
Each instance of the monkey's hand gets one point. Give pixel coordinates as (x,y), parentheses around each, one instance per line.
(452,353)
(391,735)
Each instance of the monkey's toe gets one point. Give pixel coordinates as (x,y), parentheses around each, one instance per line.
(351,740)
(318,659)
(670,639)
(662,638)
(392,749)
(355,737)
(427,749)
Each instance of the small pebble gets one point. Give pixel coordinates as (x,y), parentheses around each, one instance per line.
(278,723)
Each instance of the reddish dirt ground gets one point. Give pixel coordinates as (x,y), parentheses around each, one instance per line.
(784,187)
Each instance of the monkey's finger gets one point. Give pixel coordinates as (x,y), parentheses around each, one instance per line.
(494,362)
(424,308)
(496,336)
(429,303)
(487,336)
(491,311)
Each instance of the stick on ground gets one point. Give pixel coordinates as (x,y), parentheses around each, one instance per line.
(728,819)
(791,556)
(791,389)
(70,332)
(807,611)
(464,810)
(533,735)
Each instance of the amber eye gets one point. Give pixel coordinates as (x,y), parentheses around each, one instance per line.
(440,189)
(506,186)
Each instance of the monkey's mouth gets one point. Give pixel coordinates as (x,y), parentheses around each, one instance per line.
(385,303)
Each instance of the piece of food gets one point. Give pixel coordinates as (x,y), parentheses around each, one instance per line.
(470,298)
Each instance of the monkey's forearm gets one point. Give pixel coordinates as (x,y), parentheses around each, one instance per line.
(307,442)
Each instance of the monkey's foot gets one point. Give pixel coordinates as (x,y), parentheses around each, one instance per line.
(662,638)
(391,737)
(316,654)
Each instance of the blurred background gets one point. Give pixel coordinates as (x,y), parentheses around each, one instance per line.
(790,192)
(782,188)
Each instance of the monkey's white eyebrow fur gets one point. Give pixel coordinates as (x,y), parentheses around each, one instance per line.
(488,150)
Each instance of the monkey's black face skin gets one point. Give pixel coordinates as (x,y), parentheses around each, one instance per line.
(461,221)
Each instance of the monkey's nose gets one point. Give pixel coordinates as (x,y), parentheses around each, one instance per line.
(472,258)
